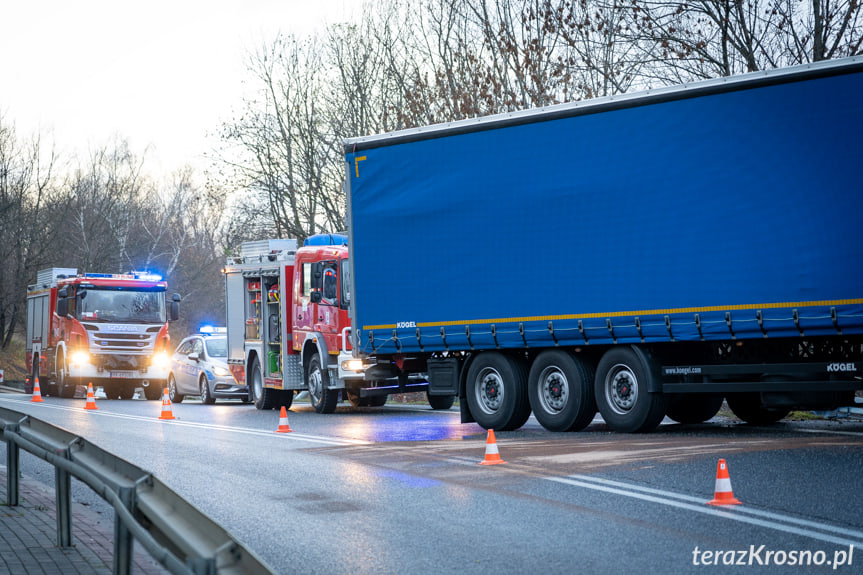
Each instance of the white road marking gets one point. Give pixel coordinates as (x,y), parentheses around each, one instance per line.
(770,520)
(179,422)
(828,432)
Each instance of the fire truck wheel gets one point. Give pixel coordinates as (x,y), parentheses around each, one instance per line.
(64,387)
(174,395)
(355,399)
(560,387)
(155,390)
(623,376)
(693,407)
(206,397)
(440,401)
(286,398)
(264,398)
(323,399)
(497,391)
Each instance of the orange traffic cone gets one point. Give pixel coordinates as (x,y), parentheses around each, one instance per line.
(166,407)
(91,399)
(37,393)
(283,422)
(723,494)
(492,455)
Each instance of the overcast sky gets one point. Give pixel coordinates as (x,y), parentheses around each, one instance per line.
(160,73)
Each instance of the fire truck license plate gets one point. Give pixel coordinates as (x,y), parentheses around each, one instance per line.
(122,374)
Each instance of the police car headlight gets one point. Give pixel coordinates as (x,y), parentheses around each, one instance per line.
(221,371)
(161,360)
(80,357)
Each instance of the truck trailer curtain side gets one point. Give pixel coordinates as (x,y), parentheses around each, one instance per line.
(730,209)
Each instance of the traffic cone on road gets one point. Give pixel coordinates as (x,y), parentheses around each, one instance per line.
(166,407)
(91,398)
(492,455)
(283,422)
(37,393)
(723,494)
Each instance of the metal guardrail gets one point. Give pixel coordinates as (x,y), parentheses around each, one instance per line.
(173,531)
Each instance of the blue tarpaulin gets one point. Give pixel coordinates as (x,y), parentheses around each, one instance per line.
(684,218)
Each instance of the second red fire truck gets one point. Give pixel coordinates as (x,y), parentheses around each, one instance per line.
(289,329)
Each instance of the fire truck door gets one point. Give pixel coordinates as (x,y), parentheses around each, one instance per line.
(327,318)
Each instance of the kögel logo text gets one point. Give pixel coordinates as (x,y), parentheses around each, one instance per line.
(404,324)
(833,367)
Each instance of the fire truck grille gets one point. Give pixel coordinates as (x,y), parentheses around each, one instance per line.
(127,342)
(120,362)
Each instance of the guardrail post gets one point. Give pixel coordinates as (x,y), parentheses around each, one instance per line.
(63,489)
(123,539)
(12,467)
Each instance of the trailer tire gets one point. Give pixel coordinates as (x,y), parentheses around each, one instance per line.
(206,397)
(560,388)
(440,402)
(690,408)
(263,397)
(747,406)
(497,391)
(623,376)
(323,399)
(64,388)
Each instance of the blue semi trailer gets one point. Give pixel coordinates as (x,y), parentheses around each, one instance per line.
(645,255)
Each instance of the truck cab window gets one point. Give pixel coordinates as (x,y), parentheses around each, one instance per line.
(331,284)
(345,284)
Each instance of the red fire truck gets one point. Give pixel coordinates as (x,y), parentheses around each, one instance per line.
(289,328)
(110,330)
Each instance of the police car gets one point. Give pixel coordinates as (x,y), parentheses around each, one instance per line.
(199,367)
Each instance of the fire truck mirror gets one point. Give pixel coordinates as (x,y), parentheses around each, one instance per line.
(62,307)
(317,275)
(175,310)
(316,297)
(63,292)
(176,298)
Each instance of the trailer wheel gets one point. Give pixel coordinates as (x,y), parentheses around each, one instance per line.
(693,407)
(440,401)
(323,399)
(497,392)
(264,398)
(206,397)
(173,394)
(561,393)
(64,388)
(747,406)
(623,377)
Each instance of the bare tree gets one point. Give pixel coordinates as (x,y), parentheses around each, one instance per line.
(281,133)
(29,215)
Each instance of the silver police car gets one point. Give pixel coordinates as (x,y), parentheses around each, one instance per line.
(199,367)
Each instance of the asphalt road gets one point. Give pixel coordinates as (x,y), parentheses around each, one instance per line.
(398,489)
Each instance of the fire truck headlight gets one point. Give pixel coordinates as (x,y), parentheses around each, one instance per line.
(353,365)
(161,360)
(80,357)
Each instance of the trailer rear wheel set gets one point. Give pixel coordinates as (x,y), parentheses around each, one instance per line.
(564,392)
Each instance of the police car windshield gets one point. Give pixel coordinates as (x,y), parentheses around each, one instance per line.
(217,346)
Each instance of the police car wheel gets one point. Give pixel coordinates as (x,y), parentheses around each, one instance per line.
(206,396)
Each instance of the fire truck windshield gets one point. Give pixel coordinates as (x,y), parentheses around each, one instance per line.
(122,305)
